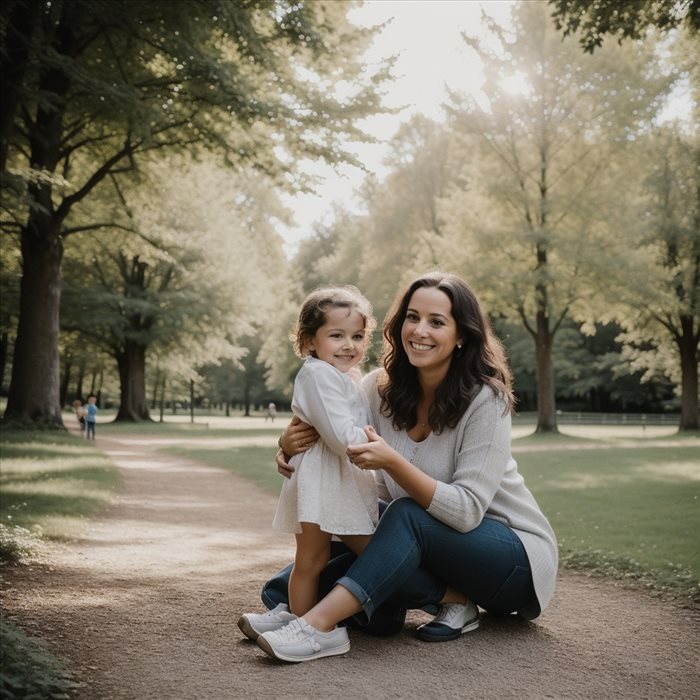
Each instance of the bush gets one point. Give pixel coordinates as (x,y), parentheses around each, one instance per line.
(28,670)
(16,543)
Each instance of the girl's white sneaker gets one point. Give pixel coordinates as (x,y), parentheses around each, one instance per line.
(299,641)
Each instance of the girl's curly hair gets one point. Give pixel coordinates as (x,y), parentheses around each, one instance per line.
(314,310)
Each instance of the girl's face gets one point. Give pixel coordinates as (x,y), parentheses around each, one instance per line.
(429,331)
(340,341)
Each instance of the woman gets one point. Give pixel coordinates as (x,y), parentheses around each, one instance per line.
(461,528)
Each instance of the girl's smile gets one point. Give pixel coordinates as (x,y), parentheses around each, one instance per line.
(340,341)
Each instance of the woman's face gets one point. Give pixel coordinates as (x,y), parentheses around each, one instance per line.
(429,331)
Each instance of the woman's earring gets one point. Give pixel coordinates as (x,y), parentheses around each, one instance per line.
(459,346)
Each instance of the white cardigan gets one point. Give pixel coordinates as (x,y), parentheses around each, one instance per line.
(477,478)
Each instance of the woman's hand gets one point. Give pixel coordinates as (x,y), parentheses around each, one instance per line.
(373,454)
(297,437)
(376,454)
(285,469)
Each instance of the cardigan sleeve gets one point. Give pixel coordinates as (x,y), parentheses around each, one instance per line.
(481,460)
(322,394)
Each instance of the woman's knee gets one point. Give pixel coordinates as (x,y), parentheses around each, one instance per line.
(405,515)
(403,508)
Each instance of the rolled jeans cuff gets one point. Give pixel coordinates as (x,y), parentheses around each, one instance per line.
(365,601)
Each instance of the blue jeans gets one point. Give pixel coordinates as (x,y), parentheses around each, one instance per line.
(410,561)
(90,429)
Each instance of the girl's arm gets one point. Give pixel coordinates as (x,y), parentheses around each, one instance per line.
(323,397)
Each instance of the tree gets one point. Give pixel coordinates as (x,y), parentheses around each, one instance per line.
(378,250)
(403,210)
(97,84)
(593,20)
(183,288)
(10,274)
(529,221)
(241,382)
(665,260)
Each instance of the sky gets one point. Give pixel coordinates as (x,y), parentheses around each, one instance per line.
(427,37)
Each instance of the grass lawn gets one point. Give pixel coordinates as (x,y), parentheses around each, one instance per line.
(628,511)
(51,482)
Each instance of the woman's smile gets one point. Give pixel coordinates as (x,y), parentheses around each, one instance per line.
(429,331)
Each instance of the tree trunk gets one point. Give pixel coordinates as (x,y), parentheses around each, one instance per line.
(162,399)
(131,362)
(156,386)
(14,61)
(34,388)
(79,381)
(246,398)
(4,346)
(688,346)
(546,404)
(65,381)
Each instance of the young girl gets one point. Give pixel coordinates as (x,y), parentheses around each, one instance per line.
(328,495)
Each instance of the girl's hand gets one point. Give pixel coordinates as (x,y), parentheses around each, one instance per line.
(373,454)
(297,438)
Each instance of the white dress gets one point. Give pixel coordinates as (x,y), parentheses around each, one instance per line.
(326,488)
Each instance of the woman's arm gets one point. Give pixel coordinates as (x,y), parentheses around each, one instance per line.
(296,438)
(483,459)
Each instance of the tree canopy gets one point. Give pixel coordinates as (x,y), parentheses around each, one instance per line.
(593,20)
(93,86)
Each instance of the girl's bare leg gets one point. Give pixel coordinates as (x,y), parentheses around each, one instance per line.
(339,603)
(336,606)
(356,543)
(312,554)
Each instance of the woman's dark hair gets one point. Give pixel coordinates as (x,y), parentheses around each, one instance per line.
(315,307)
(481,360)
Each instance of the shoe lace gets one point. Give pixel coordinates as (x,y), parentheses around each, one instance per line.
(292,632)
(295,631)
(449,613)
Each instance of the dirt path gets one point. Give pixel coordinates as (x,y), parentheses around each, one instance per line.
(145,606)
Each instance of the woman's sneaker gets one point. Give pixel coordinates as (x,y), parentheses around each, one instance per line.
(452,621)
(254,624)
(299,641)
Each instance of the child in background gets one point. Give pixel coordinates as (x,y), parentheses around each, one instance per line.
(90,416)
(80,413)
(328,495)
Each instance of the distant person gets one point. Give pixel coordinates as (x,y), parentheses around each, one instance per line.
(90,416)
(80,413)
(328,495)
(271,412)
(461,529)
